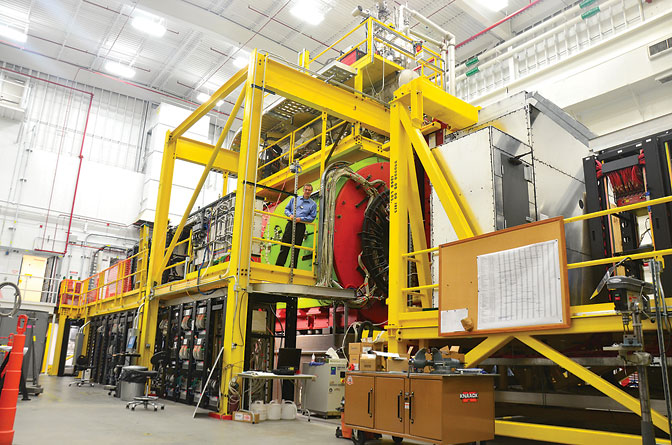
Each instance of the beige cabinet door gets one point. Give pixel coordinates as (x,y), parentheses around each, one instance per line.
(424,414)
(389,413)
(32,277)
(359,400)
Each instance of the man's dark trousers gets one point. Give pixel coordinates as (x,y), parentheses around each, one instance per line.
(287,238)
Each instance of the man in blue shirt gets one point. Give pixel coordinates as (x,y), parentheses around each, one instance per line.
(306,211)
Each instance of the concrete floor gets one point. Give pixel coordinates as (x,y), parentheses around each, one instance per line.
(88,415)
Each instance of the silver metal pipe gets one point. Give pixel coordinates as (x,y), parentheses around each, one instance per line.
(426,38)
(448,44)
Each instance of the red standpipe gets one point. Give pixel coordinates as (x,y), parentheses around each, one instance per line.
(12,375)
(81,157)
(496,24)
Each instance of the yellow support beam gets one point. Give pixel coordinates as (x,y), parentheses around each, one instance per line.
(199,153)
(418,233)
(237,297)
(204,175)
(400,146)
(484,349)
(592,379)
(463,227)
(347,147)
(154,271)
(436,103)
(320,95)
(571,436)
(234,82)
(59,343)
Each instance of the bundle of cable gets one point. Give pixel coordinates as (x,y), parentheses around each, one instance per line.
(200,321)
(185,322)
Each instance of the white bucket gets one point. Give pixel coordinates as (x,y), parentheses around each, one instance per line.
(260,408)
(288,410)
(274,411)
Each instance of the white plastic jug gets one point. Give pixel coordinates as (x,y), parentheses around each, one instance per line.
(274,411)
(288,410)
(260,408)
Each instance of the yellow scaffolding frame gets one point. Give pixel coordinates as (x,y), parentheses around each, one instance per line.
(403,123)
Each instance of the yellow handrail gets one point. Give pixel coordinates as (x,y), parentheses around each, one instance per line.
(637,205)
(339,40)
(272,241)
(281,216)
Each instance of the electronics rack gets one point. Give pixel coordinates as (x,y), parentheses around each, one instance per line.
(108,337)
(192,334)
(630,172)
(260,345)
(211,228)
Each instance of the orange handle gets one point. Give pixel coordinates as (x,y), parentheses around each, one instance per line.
(21,324)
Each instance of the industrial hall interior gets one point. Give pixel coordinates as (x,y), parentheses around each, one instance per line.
(329,221)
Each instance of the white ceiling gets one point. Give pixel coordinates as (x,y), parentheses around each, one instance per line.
(205,36)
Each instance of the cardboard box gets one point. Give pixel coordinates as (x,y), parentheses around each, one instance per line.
(354,361)
(370,362)
(398,364)
(245,416)
(363,348)
(452,352)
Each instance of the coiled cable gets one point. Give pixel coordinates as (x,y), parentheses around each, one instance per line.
(17,299)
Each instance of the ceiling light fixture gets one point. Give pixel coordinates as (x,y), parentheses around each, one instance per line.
(494,5)
(149,23)
(119,69)
(13,33)
(14,22)
(308,11)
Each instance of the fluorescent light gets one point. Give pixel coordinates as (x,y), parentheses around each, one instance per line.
(307,11)
(494,5)
(149,24)
(119,69)
(241,60)
(13,33)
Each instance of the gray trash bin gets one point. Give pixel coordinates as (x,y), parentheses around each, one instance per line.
(132,383)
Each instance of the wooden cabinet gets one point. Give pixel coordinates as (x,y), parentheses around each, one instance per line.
(389,404)
(424,408)
(359,395)
(443,409)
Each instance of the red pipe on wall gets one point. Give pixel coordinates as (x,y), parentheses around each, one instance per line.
(496,24)
(81,151)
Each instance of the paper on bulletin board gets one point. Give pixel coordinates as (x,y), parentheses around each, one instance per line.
(520,287)
(451,320)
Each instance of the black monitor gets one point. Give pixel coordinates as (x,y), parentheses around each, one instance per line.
(289,358)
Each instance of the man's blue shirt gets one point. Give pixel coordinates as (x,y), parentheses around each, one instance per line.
(307,209)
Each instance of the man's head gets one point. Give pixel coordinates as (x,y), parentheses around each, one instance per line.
(307,190)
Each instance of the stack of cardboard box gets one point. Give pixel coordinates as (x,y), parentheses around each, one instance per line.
(370,356)
(362,357)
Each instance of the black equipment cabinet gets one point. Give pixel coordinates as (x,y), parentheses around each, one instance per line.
(647,159)
(107,342)
(192,335)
